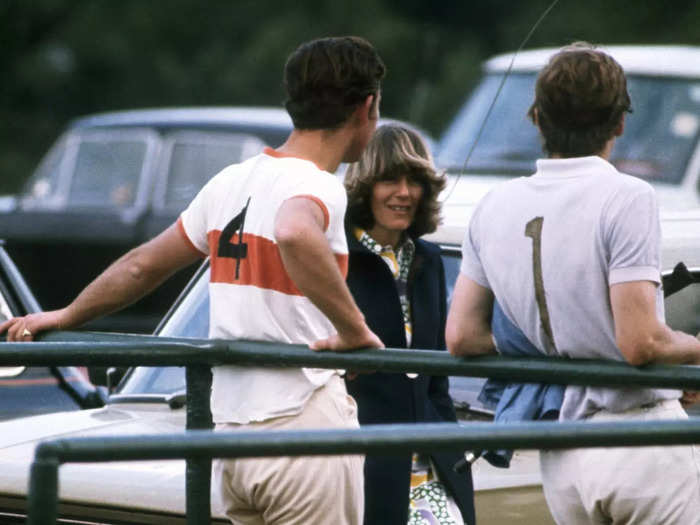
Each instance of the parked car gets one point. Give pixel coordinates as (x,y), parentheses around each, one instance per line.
(114,180)
(661,142)
(26,391)
(153,492)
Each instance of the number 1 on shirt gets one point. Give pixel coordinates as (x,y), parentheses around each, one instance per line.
(533,229)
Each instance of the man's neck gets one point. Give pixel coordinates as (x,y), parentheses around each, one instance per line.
(324,148)
(603,154)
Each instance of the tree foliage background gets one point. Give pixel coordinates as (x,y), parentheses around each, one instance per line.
(60,59)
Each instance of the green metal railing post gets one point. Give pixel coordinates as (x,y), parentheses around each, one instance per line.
(198,472)
(42,503)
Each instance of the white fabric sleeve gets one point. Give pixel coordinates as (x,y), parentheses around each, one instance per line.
(471,262)
(329,194)
(194,220)
(634,239)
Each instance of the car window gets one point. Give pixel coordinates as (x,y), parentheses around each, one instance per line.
(660,135)
(42,186)
(508,143)
(106,171)
(192,158)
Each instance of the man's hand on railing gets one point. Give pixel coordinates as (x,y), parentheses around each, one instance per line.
(338,343)
(690,397)
(351,341)
(26,328)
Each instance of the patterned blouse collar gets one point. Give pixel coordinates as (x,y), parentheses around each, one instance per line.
(402,257)
(399,263)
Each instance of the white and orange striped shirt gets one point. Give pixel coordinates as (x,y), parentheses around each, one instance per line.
(251,295)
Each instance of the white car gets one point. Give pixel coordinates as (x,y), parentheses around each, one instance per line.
(661,142)
(147,402)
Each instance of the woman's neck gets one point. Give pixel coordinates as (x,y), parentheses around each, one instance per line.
(385,237)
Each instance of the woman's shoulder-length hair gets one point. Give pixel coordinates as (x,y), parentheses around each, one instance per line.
(393,151)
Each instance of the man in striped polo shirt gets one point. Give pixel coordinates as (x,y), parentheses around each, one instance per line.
(273,229)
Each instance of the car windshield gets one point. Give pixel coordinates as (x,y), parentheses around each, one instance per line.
(659,139)
(189,319)
(91,168)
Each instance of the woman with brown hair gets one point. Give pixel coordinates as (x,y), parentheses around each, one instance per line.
(398,282)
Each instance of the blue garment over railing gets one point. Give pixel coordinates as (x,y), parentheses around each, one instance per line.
(516,402)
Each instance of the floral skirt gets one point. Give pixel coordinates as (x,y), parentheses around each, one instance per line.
(430,504)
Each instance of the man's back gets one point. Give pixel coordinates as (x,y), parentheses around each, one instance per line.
(551,244)
(577,270)
(252,296)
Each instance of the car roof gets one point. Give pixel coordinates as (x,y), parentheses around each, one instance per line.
(269,117)
(670,60)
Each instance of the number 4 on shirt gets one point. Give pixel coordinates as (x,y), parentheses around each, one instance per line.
(227,248)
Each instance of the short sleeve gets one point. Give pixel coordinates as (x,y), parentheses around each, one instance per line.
(193,221)
(471,261)
(634,239)
(328,192)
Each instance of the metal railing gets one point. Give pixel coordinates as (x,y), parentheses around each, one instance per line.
(80,348)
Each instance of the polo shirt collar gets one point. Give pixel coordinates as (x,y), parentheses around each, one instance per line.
(573,167)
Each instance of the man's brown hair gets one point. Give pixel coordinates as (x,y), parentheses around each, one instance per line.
(580,97)
(395,150)
(327,78)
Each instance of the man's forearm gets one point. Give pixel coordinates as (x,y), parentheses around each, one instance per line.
(673,347)
(468,328)
(124,282)
(132,276)
(641,337)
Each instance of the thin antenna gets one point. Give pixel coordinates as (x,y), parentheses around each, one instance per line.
(498,92)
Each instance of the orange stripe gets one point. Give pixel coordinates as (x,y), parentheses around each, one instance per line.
(321,204)
(261,267)
(181,229)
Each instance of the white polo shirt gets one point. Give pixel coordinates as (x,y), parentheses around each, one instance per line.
(550,245)
(251,294)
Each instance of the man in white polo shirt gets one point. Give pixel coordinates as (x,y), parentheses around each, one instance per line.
(572,256)
(273,229)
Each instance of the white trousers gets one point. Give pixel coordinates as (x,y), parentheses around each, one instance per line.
(626,485)
(296,490)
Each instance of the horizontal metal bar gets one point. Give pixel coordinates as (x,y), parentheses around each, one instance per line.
(82,348)
(385,439)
